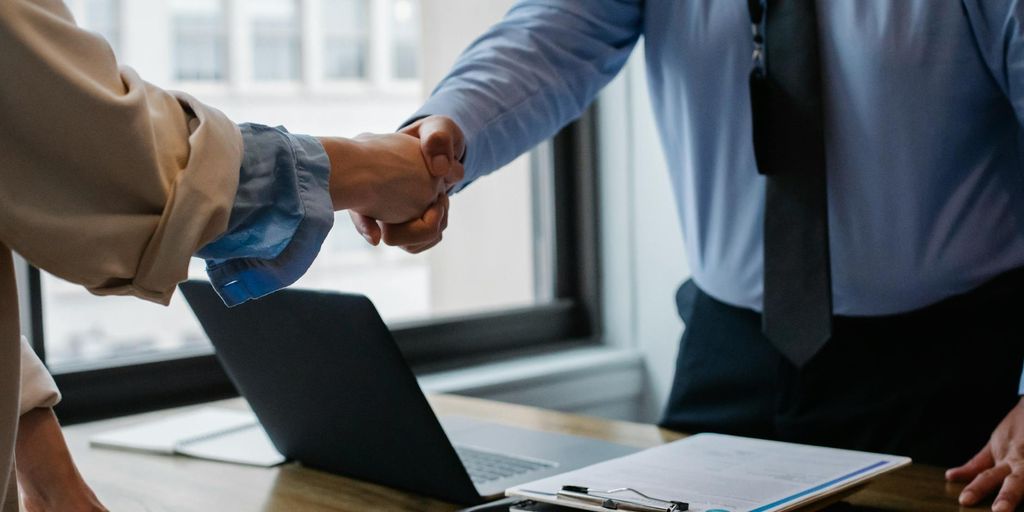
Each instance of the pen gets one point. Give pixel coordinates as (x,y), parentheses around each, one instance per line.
(501,505)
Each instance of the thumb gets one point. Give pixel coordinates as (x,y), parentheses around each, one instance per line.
(367,227)
(442,144)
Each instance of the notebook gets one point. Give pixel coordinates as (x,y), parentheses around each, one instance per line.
(712,472)
(209,433)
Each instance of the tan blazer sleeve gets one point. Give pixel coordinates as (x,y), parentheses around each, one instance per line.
(37,387)
(105,180)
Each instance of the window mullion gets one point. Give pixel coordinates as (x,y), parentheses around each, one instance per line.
(239,47)
(30,304)
(380,38)
(35,302)
(312,44)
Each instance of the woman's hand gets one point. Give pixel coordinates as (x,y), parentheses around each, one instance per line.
(383,177)
(47,475)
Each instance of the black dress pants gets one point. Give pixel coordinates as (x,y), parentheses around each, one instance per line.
(931,384)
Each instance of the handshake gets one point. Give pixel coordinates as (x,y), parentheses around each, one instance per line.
(395,186)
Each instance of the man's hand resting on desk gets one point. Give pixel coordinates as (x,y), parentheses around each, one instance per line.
(47,476)
(442,145)
(999,465)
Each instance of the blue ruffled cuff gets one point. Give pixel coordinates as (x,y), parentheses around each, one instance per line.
(281,216)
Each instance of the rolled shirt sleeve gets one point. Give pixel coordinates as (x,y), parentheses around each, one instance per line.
(109,181)
(37,386)
(113,183)
(280,218)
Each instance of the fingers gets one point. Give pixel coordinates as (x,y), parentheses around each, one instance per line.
(442,144)
(980,462)
(367,227)
(418,248)
(1011,493)
(456,175)
(438,147)
(420,231)
(984,484)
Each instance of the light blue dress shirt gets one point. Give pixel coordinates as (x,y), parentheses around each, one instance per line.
(281,215)
(924,101)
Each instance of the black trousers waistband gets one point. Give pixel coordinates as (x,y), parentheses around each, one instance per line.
(997,296)
(931,383)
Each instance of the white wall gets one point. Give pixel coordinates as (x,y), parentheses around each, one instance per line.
(500,261)
(641,243)
(642,264)
(642,246)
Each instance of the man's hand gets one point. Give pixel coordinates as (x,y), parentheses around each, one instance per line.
(48,477)
(443,145)
(999,465)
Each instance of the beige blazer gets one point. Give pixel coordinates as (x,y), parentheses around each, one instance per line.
(105,180)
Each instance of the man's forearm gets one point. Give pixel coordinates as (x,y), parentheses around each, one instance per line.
(512,89)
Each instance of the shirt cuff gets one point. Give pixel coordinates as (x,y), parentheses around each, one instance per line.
(1020,390)
(281,216)
(37,386)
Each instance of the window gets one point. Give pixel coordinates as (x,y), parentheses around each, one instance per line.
(200,40)
(515,270)
(102,17)
(405,38)
(346,38)
(275,39)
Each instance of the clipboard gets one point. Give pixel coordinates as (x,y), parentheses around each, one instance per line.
(712,473)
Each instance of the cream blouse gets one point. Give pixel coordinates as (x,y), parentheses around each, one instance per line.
(105,180)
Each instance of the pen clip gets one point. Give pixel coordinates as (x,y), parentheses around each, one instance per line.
(592,496)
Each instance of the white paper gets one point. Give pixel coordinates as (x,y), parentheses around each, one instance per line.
(164,435)
(249,445)
(711,471)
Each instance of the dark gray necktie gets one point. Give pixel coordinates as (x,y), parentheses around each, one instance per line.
(789,144)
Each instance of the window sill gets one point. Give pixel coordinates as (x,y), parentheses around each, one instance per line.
(598,381)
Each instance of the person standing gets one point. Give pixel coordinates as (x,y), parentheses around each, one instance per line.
(849,183)
(113,183)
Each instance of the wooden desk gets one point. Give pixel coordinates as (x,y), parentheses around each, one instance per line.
(129,482)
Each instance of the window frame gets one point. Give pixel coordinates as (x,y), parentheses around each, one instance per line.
(570,319)
(225,53)
(239,59)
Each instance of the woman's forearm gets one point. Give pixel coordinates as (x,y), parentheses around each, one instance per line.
(46,472)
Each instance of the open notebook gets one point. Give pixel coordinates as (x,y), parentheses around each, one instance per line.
(209,433)
(712,473)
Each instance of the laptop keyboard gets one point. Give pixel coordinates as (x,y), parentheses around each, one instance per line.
(484,466)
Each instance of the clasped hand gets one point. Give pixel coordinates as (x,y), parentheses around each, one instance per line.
(396,186)
(386,178)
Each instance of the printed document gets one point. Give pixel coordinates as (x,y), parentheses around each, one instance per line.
(720,473)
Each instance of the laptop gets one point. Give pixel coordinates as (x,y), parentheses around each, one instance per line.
(324,376)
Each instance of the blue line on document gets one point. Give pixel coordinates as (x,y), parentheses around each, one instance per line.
(819,487)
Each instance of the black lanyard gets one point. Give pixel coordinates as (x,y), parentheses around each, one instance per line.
(757,10)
